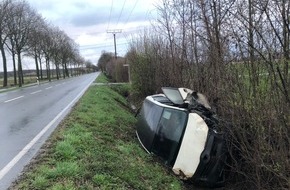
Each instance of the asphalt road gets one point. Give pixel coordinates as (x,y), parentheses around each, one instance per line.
(27,118)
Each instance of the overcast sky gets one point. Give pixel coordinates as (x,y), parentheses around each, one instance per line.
(87,22)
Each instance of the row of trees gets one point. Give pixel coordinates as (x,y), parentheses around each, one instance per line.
(237,53)
(24,32)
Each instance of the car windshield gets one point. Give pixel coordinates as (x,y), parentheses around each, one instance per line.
(173,95)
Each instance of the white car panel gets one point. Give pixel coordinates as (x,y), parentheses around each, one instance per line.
(192,146)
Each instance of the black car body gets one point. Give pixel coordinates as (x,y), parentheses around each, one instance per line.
(182,132)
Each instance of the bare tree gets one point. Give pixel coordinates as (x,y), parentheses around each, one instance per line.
(23,30)
(23,19)
(35,43)
(4,15)
(238,52)
(68,47)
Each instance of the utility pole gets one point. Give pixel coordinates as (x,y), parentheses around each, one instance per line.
(114,32)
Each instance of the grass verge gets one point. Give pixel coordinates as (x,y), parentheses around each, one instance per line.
(95,147)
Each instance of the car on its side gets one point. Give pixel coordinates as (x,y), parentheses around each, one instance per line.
(179,127)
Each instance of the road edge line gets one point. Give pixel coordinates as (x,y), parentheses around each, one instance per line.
(16,159)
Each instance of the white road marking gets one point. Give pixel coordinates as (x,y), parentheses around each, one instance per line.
(57,84)
(48,87)
(14,99)
(16,159)
(35,92)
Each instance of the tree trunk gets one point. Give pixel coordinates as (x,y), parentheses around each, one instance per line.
(36,66)
(20,74)
(57,71)
(63,71)
(66,70)
(5,81)
(14,68)
(40,64)
(48,70)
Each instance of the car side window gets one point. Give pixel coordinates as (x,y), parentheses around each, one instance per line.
(152,114)
(171,124)
(169,133)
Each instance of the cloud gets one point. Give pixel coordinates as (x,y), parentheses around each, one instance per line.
(87,21)
(81,13)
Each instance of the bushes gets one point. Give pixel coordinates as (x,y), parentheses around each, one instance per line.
(256,124)
(114,68)
(247,87)
(217,49)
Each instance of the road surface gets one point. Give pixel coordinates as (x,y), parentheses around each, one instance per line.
(27,118)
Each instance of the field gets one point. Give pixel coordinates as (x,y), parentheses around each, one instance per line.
(27,80)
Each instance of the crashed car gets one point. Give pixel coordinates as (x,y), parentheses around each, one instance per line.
(179,127)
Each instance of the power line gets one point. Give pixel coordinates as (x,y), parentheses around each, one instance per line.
(97,46)
(131,11)
(121,12)
(110,14)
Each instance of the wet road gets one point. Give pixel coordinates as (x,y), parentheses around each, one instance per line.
(28,116)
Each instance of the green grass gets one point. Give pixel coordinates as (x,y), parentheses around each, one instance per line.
(96,148)
(102,79)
